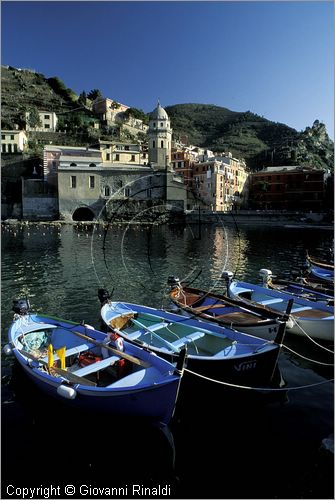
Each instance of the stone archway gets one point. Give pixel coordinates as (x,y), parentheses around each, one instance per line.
(83,214)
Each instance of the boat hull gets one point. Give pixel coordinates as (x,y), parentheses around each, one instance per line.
(252,321)
(149,405)
(321,326)
(254,367)
(147,390)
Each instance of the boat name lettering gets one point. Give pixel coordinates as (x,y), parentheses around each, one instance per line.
(245,365)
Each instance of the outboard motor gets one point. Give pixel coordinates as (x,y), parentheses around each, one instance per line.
(228,277)
(173,281)
(103,295)
(266,276)
(21,306)
(173,290)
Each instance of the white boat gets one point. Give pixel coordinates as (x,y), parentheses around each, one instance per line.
(309,318)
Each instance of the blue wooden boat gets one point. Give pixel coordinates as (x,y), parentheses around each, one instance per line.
(225,311)
(320,269)
(91,370)
(212,350)
(297,288)
(315,319)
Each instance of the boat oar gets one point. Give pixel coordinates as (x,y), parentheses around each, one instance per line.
(71,377)
(138,323)
(121,354)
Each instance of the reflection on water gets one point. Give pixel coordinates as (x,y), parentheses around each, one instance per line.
(225,447)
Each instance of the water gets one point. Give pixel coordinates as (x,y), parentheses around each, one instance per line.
(218,445)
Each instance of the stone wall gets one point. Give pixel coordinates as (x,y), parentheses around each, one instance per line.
(40,208)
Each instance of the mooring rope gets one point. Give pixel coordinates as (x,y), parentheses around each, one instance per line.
(304,357)
(268,389)
(310,338)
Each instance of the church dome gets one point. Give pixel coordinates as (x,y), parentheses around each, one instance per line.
(159,113)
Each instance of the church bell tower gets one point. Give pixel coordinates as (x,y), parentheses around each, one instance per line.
(160,135)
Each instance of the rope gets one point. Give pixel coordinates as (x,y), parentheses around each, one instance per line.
(310,338)
(307,359)
(268,389)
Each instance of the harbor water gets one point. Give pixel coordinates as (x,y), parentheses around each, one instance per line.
(219,444)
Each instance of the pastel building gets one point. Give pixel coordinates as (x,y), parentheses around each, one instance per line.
(13,141)
(48,121)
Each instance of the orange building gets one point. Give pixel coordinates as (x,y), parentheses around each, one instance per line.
(288,188)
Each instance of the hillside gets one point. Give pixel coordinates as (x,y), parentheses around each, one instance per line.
(23,89)
(260,141)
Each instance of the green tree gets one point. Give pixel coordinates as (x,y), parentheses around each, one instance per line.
(93,94)
(33,119)
(136,113)
(82,98)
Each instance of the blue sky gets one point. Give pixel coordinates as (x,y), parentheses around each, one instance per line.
(272,58)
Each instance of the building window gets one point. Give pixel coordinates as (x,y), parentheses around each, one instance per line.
(92,165)
(126,148)
(107,191)
(9,148)
(4,148)
(162,144)
(47,117)
(3,137)
(153,144)
(15,148)
(91,182)
(132,158)
(12,138)
(73,181)
(46,125)
(162,124)
(73,164)
(108,157)
(155,124)
(127,192)
(179,164)
(117,157)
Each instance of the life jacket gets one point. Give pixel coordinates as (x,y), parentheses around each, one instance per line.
(87,358)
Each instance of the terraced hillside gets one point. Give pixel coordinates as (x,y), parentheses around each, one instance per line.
(21,90)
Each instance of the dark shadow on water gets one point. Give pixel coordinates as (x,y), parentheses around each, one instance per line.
(45,441)
(221,443)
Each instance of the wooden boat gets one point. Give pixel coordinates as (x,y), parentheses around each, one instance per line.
(309,291)
(314,261)
(90,370)
(212,350)
(320,270)
(225,311)
(315,319)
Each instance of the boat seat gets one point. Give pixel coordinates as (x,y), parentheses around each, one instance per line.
(74,350)
(141,331)
(94,367)
(270,301)
(298,309)
(145,376)
(186,340)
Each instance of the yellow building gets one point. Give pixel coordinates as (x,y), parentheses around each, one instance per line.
(13,141)
(220,184)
